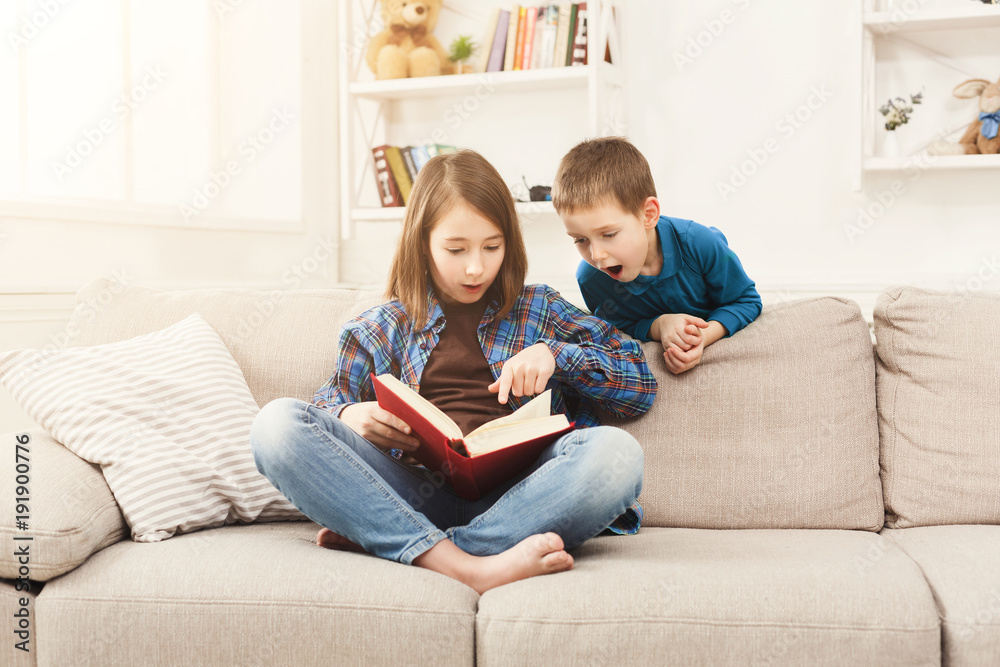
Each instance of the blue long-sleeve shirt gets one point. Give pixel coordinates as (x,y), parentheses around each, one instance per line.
(700,276)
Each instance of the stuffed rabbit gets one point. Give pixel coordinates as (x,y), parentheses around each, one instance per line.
(983,135)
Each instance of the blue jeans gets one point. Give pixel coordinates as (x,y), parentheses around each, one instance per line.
(578,486)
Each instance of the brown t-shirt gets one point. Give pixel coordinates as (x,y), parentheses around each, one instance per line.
(457,374)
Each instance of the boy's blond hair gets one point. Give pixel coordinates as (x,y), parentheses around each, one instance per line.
(601,171)
(444,182)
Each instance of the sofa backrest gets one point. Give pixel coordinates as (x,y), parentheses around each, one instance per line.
(939,406)
(284,341)
(775,428)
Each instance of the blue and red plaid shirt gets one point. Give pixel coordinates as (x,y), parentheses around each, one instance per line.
(595,364)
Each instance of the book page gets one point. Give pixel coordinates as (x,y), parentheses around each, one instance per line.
(538,407)
(513,433)
(431,412)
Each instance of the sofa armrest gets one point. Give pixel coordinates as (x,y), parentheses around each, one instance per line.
(71,512)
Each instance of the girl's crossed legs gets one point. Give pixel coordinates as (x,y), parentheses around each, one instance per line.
(578,486)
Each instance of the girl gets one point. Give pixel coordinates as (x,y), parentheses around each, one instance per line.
(465,331)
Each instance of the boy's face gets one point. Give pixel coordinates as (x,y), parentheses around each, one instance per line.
(622,245)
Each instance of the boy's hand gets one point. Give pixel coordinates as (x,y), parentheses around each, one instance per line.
(679,330)
(379,426)
(526,373)
(679,360)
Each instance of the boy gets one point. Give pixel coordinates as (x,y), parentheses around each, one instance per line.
(654,277)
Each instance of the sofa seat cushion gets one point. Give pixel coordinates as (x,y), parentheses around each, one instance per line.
(73,512)
(939,406)
(701,597)
(775,428)
(962,566)
(21,641)
(260,594)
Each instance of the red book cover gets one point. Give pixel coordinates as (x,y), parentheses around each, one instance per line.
(470,476)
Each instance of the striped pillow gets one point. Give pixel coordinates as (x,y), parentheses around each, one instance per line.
(167,417)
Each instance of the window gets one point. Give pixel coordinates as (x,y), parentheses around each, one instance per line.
(185,113)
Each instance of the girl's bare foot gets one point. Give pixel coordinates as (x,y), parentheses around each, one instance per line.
(331,540)
(532,556)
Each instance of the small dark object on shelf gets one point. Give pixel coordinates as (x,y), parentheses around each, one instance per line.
(538,192)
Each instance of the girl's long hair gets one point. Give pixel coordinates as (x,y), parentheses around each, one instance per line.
(445,181)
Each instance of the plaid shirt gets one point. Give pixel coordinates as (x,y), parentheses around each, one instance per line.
(595,364)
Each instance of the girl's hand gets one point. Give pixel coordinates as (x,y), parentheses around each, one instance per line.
(379,426)
(526,373)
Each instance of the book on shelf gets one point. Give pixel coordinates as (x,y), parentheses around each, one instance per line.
(562,34)
(547,44)
(571,34)
(535,37)
(495,63)
(399,172)
(522,20)
(511,46)
(579,56)
(396,169)
(490,455)
(486,44)
(530,17)
(388,192)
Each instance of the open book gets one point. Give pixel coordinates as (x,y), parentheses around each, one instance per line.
(490,455)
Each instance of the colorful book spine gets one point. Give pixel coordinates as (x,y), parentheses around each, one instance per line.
(388,192)
(530,17)
(570,36)
(519,44)
(495,63)
(548,42)
(411,166)
(562,35)
(508,58)
(580,41)
(399,172)
(420,156)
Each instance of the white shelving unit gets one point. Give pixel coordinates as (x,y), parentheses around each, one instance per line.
(880,23)
(371,110)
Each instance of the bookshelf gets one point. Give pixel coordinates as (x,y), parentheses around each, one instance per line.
(565,105)
(881,23)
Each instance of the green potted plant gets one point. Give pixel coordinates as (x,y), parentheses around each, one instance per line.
(460,50)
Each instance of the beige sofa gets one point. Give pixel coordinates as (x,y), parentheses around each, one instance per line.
(807,502)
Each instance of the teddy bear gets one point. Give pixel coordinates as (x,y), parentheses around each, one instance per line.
(406,46)
(982,136)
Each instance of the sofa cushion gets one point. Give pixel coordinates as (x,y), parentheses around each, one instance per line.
(72,511)
(18,650)
(962,567)
(702,597)
(284,341)
(167,416)
(259,594)
(939,406)
(775,428)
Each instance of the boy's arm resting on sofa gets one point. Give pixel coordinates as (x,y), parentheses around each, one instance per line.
(71,511)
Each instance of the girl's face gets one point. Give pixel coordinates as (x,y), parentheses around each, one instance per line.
(465,251)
